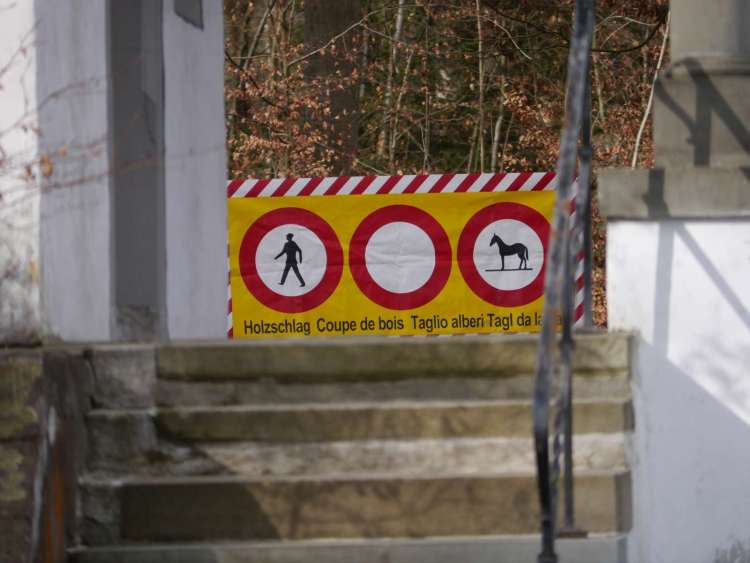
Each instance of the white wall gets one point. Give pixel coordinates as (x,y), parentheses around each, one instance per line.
(685,286)
(56,246)
(195,179)
(75,213)
(54,228)
(19,197)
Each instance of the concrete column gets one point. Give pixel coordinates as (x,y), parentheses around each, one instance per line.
(19,192)
(169,179)
(137,191)
(195,169)
(701,107)
(54,172)
(112,177)
(678,265)
(75,221)
(717,28)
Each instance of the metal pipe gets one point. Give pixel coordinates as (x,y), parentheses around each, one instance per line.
(581,238)
(559,253)
(583,204)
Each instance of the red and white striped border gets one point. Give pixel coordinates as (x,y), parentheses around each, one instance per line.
(409,184)
(413,184)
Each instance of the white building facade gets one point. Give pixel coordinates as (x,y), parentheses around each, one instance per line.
(678,273)
(112,217)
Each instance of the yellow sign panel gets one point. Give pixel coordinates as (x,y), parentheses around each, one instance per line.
(389,264)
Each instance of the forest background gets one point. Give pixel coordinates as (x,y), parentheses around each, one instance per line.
(333,87)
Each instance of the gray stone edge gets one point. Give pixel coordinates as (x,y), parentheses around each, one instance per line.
(682,193)
(706,65)
(618,477)
(610,548)
(382,359)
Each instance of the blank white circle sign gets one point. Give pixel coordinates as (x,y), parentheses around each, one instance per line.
(400,257)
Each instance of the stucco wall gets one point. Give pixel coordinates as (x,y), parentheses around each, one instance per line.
(57,259)
(684,285)
(72,51)
(44,397)
(195,174)
(19,195)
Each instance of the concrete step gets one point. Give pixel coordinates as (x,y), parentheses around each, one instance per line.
(188,440)
(464,456)
(376,421)
(487,549)
(349,421)
(347,360)
(588,385)
(361,506)
(489,367)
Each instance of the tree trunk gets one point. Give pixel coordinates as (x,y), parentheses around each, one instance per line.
(388,98)
(324,21)
(480,72)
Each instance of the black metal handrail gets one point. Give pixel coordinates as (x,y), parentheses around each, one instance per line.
(567,239)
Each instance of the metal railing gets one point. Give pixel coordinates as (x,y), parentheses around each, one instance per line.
(568,238)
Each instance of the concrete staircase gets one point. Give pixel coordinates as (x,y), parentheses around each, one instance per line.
(351,451)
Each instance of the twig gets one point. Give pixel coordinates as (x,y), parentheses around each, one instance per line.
(250,76)
(505,142)
(634,47)
(259,31)
(388,97)
(358,160)
(331,41)
(480,70)
(500,117)
(397,109)
(510,36)
(647,111)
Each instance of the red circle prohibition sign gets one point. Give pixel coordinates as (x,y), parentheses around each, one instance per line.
(390,299)
(249,270)
(506,210)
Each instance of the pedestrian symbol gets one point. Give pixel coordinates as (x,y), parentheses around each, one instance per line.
(265,275)
(291,249)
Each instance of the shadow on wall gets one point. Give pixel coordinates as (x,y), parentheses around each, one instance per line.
(692,493)
(658,208)
(708,102)
(739,552)
(690,467)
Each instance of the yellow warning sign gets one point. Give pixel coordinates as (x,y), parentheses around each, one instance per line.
(387,263)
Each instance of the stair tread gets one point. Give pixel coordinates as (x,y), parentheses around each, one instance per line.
(361,450)
(359,506)
(404,457)
(350,422)
(597,548)
(329,478)
(349,405)
(369,358)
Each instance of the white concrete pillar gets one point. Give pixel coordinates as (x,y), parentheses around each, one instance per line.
(195,169)
(54,211)
(112,208)
(19,193)
(678,265)
(715,28)
(701,106)
(75,220)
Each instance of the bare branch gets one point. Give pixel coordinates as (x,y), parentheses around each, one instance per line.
(647,111)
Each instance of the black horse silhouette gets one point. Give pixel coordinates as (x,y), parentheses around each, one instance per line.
(509,250)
